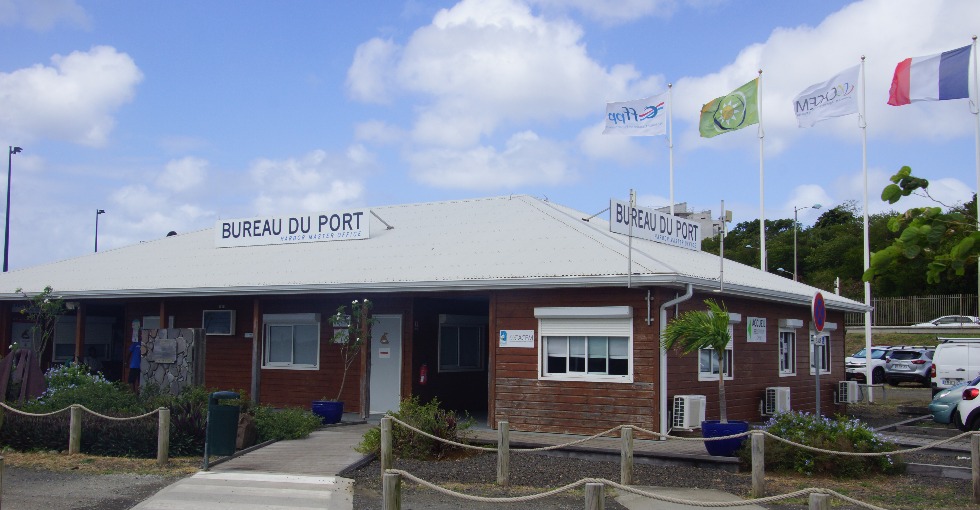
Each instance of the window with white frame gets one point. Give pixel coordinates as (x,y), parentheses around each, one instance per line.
(820,349)
(708,367)
(462,343)
(291,341)
(586,343)
(787,346)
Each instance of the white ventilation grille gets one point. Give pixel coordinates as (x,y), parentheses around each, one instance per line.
(777,400)
(688,411)
(848,392)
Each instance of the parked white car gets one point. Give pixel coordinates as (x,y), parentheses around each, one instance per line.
(855,363)
(969,409)
(951,321)
(956,360)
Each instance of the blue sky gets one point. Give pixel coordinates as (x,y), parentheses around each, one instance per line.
(172,114)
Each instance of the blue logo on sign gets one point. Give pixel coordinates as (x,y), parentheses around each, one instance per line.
(503,337)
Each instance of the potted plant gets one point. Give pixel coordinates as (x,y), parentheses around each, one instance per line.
(350,331)
(699,329)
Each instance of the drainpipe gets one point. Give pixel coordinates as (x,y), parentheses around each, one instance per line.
(663,356)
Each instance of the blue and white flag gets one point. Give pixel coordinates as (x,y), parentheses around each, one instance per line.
(640,117)
(835,97)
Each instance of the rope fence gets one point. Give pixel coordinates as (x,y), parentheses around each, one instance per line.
(75,426)
(503,451)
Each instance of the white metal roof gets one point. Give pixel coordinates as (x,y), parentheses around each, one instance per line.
(492,243)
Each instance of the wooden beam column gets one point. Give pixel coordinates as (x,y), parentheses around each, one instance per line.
(79,333)
(256,349)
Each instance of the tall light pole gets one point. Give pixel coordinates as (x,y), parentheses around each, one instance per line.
(796,220)
(97,213)
(6,230)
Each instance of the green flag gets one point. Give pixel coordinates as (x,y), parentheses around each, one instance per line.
(738,109)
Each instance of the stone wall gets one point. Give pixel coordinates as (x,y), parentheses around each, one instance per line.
(173,359)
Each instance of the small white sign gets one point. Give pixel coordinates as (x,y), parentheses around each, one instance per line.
(756,329)
(302,228)
(653,225)
(384,352)
(517,338)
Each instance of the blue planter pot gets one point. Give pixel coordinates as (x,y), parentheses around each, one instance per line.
(329,411)
(724,447)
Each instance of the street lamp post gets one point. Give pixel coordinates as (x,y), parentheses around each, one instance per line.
(796,210)
(6,230)
(97,213)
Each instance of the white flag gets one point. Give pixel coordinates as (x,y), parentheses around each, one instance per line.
(835,97)
(641,117)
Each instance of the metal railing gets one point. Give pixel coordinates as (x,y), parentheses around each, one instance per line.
(908,310)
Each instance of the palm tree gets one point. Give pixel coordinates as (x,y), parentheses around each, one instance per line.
(697,329)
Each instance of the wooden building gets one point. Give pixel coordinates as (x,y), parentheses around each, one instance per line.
(508,308)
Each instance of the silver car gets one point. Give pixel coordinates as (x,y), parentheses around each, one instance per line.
(911,364)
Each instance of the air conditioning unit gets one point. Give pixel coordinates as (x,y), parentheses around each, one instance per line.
(688,411)
(848,392)
(777,400)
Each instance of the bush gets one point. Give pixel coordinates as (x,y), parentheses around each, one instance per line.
(839,434)
(288,423)
(426,417)
(73,384)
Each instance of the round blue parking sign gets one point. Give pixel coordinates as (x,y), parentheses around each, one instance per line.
(819,310)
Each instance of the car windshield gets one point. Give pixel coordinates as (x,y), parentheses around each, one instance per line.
(905,355)
(875,353)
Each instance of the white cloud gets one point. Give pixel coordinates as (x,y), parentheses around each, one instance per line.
(379,132)
(488,63)
(42,15)
(315,182)
(73,100)
(369,75)
(526,159)
(795,58)
(183,174)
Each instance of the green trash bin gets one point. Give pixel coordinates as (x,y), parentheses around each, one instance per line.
(222,427)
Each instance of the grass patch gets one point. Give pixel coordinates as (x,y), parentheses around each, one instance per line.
(93,464)
(886,491)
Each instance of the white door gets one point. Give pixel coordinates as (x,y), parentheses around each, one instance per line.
(386,363)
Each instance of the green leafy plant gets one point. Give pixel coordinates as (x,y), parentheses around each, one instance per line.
(698,329)
(835,434)
(427,417)
(286,423)
(351,330)
(42,309)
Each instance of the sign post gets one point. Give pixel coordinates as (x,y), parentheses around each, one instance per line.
(818,310)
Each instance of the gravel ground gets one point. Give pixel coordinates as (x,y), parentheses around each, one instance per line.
(34,489)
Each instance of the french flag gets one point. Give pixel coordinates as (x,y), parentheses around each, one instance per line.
(933,78)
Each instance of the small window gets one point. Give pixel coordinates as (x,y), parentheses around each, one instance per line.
(787,352)
(219,322)
(291,341)
(820,352)
(708,367)
(462,340)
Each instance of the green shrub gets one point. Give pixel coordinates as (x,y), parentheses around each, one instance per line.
(426,417)
(839,434)
(73,384)
(287,423)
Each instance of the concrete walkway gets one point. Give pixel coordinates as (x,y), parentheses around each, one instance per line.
(295,474)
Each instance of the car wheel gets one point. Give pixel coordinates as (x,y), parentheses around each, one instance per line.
(974,423)
(955,419)
(877,376)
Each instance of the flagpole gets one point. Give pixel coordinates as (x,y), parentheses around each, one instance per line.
(670,141)
(762,178)
(863,124)
(975,109)
(629,258)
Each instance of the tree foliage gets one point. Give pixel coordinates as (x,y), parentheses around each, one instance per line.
(698,329)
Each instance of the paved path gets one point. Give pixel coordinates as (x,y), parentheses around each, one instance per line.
(294,474)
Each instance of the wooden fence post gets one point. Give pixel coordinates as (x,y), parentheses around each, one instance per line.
(391,491)
(75,430)
(386,441)
(975,455)
(503,453)
(1,481)
(163,436)
(819,501)
(626,456)
(595,496)
(758,464)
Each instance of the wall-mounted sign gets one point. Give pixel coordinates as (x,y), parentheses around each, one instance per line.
(384,352)
(165,350)
(517,338)
(653,225)
(756,329)
(304,228)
